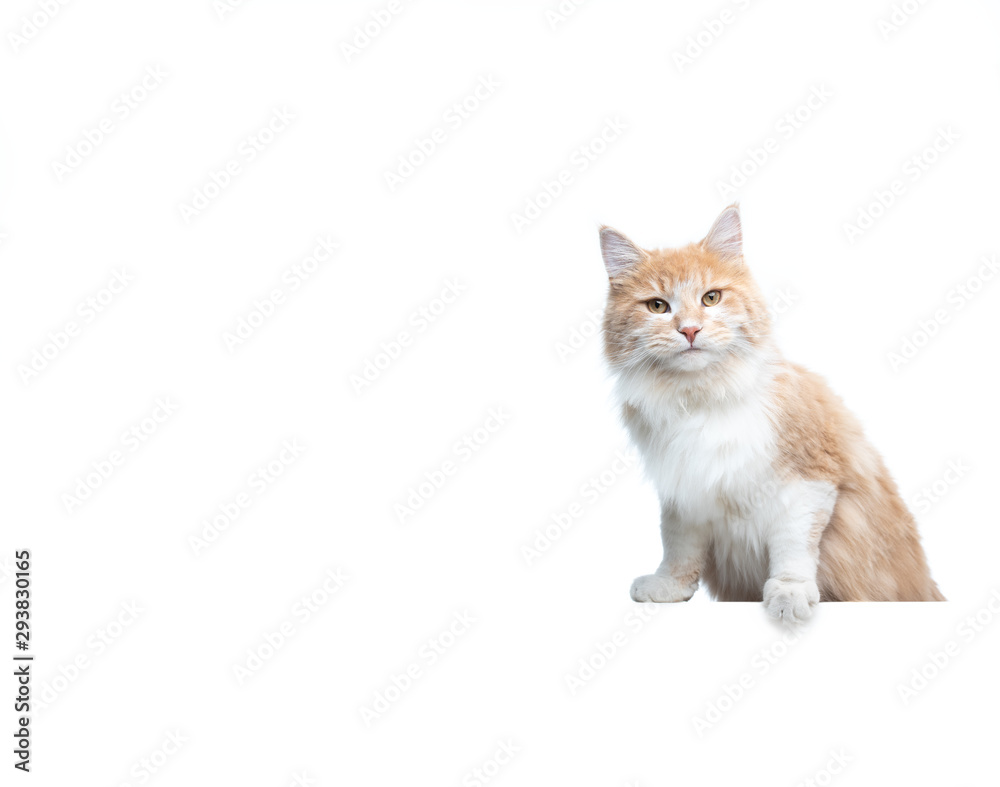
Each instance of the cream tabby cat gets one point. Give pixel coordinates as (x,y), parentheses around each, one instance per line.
(768,488)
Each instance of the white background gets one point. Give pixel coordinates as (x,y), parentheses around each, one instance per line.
(527,294)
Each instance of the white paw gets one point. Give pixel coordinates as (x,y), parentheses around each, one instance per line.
(790,600)
(653,587)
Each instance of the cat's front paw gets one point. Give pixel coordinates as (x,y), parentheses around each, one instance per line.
(653,587)
(790,600)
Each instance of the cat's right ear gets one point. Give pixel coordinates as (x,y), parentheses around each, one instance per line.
(619,252)
(726,236)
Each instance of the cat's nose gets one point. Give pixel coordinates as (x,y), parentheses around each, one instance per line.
(690,332)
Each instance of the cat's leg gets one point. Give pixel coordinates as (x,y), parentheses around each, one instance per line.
(791,591)
(684,550)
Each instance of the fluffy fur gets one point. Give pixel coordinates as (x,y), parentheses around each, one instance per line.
(768,489)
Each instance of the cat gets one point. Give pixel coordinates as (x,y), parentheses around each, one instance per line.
(769,490)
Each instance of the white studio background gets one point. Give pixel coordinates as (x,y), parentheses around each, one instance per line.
(866,135)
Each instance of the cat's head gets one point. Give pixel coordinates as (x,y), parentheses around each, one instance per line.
(681,311)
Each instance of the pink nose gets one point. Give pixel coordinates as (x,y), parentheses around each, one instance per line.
(690,333)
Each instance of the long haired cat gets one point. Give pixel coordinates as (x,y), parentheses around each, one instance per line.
(768,489)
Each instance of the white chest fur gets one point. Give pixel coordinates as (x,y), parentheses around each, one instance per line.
(715,470)
(715,463)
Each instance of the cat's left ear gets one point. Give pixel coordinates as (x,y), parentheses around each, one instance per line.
(619,252)
(726,236)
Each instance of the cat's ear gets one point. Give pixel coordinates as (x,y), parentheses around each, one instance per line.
(726,236)
(619,252)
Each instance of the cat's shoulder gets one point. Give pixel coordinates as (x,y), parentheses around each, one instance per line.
(816,432)
(799,385)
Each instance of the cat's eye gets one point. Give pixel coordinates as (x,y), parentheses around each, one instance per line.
(711,298)
(657,306)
